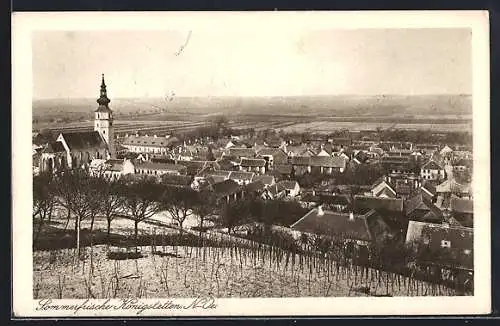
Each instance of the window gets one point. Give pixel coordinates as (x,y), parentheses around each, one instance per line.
(445,244)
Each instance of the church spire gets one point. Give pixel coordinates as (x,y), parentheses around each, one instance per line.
(103,99)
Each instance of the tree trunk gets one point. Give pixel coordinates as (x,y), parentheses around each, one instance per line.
(68,217)
(50,212)
(92,230)
(108,233)
(77,229)
(136,234)
(39,229)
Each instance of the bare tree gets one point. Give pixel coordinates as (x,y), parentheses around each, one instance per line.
(43,200)
(178,202)
(141,202)
(112,200)
(233,214)
(80,193)
(204,207)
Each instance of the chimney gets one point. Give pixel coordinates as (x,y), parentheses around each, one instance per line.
(320,210)
(126,135)
(137,134)
(154,136)
(351,216)
(146,135)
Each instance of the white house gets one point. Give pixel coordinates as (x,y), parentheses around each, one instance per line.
(432,171)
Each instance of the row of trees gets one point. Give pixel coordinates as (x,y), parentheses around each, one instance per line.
(85,197)
(363,174)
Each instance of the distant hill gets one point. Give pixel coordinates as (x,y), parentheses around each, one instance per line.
(428,106)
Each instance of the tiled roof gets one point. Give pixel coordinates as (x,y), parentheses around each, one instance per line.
(361,156)
(287,184)
(403,189)
(283,168)
(150,141)
(451,185)
(430,187)
(333,224)
(239,175)
(266,179)
(343,200)
(301,160)
(193,167)
(363,204)
(271,151)
(221,173)
(161,166)
(213,179)
(84,140)
(460,253)
(431,165)
(414,203)
(460,205)
(388,159)
(463,162)
(296,149)
(383,184)
(420,208)
(241,152)
(253,162)
(328,161)
(255,186)
(226,187)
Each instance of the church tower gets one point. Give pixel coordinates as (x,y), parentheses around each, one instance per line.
(103,122)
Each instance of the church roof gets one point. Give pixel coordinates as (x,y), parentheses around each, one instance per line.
(54,147)
(84,140)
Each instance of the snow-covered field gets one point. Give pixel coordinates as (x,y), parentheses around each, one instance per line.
(220,272)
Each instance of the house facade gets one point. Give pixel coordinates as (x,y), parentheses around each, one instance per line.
(432,171)
(158,169)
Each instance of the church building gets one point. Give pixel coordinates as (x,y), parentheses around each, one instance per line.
(78,149)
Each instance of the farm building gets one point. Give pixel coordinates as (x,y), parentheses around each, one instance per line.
(255,165)
(149,168)
(148,144)
(446,249)
(267,180)
(227,191)
(241,178)
(273,156)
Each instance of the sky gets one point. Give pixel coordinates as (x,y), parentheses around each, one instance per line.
(250,62)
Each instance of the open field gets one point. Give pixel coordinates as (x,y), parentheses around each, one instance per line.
(328,126)
(221,266)
(206,271)
(155,115)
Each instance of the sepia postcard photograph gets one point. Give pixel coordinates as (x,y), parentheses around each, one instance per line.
(250,164)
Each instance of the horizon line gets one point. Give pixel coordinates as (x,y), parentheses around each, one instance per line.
(256,96)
